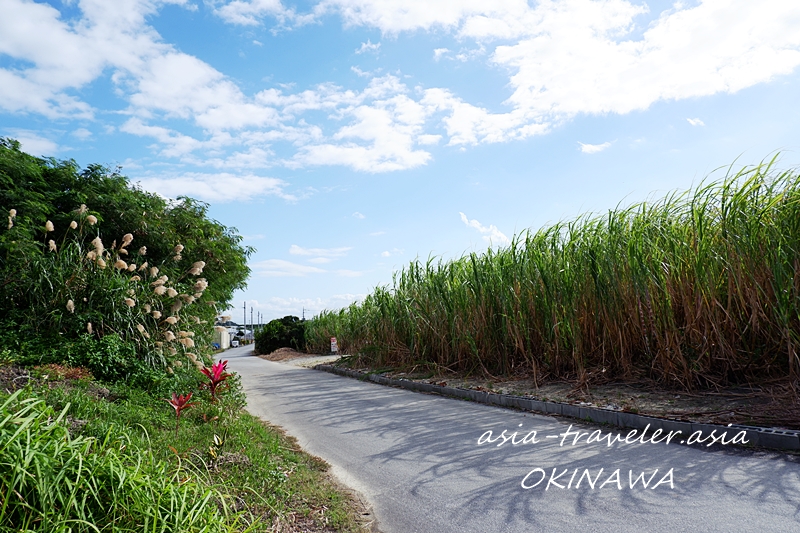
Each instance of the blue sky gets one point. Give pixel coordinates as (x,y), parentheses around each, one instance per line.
(345,138)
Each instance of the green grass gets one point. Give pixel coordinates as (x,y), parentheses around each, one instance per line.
(695,289)
(78,457)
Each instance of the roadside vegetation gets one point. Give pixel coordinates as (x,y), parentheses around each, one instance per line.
(286,332)
(113,415)
(698,289)
(79,455)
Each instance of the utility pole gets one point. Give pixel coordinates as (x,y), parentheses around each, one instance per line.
(252,328)
(245,317)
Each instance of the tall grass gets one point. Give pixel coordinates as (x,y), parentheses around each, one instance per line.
(699,287)
(52,481)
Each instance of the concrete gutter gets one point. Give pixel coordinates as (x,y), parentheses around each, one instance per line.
(780,439)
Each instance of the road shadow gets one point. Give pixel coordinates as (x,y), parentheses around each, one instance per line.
(434,440)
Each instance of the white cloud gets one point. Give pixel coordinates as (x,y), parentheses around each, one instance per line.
(470,54)
(183,86)
(33,143)
(695,122)
(251,157)
(381,127)
(358,216)
(82,134)
(592,57)
(578,57)
(174,143)
(368,46)
(248,12)
(33,32)
(214,149)
(491,234)
(394,16)
(426,139)
(390,253)
(158,81)
(562,59)
(381,135)
(593,148)
(221,187)
(468,125)
(68,55)
(320,252)
(438,53)
(276,268)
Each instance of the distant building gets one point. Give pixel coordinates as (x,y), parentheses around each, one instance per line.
(234,331)
(222,339)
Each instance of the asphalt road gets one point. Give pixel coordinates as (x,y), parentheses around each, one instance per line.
(416,459)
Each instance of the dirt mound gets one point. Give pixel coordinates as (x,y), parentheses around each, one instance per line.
(283,354)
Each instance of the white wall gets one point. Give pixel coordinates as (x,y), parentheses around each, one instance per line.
(223,338)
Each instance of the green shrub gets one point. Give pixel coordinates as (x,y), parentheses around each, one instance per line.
(119,301)
(42,189)
(109,359)
(286,332)
(108,309)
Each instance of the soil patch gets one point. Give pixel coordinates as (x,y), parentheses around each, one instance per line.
(774,404)
(295,358)
(13,378)
(284,354)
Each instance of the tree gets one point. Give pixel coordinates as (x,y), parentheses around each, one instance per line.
(86,256)
(286,332)
(47,189)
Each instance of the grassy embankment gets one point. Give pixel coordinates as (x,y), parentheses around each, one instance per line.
(77,456)
(695,289)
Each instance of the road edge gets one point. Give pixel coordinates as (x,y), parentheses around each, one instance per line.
(773,438)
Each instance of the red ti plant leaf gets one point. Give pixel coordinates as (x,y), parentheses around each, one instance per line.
(179,403)
(217,377)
